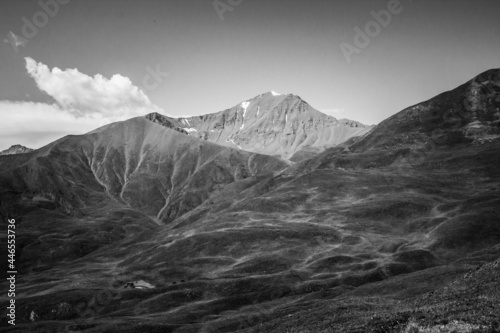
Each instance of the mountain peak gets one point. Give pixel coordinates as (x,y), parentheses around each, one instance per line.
(16,149)
(270,123)
(275,97)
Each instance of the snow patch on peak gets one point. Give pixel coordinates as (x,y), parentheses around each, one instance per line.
(245,105)
(274,93)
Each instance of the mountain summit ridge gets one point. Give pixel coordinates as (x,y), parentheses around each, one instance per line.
(469,113)
(281,125)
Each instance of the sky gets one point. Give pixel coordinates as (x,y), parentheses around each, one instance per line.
(69,66)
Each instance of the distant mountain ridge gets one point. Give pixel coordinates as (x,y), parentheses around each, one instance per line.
(16,149)
(270,123)
(466,116)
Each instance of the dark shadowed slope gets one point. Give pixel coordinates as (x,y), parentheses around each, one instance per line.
(273,124)
(163,172)
(136,163)
(84,192)
(467,114)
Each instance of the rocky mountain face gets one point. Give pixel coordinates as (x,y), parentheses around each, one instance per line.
(16,149)
(363,237)
(165,122)
(280,125)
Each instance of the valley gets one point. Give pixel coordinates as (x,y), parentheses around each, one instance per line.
(371,230)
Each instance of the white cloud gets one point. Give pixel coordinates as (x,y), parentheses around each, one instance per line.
(36,124)
(83,103)
(85,96)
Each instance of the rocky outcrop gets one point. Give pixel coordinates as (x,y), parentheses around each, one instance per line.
(164,121)
(16,149)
